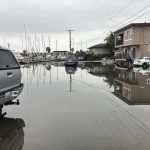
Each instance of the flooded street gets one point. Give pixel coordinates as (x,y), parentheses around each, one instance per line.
(91,107)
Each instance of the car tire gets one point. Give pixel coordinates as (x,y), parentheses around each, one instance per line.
(145,65)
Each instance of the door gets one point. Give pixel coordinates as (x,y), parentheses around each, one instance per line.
(10,73)
(133,52)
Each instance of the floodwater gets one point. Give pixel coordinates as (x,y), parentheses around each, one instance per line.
(91,107)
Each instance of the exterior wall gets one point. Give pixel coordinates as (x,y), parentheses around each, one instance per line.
(140,39)
(142,35)
(100,51)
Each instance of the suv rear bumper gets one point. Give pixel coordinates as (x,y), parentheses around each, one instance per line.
(11,94)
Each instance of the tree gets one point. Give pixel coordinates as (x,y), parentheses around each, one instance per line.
(110,41)
(48,50)
(24,53)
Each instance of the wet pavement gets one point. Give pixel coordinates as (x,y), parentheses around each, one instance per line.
(91,107)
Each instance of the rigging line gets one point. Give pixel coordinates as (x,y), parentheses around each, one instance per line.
(121,9)
(139,16)
(132,15)
(123,22)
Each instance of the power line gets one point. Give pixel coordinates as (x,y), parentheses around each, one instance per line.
(122,9)
(132,15)
(104,33)
(139,16)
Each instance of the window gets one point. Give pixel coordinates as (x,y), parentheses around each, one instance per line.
(133,52)
(148,47)
(148,81)
(128,35)
(126,93)
(7,60)
(119,39)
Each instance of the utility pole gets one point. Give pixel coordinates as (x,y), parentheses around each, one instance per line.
(70,38)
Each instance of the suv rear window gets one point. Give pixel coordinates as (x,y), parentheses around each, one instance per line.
(7,60)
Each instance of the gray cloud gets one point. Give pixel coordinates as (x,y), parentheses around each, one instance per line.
(54,17)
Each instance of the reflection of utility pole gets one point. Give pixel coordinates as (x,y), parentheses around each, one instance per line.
(70,38)
(37,76)
(50,77)
(70,83)
(57,71)
(81,73)
(27,82)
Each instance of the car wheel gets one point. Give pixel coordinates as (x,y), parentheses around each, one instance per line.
(145,65)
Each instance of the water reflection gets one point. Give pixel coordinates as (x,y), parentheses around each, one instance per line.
(72,117)
(11,134)
(106,71)
(70,70)
(132,87)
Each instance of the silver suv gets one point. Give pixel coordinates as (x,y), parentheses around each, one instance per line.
(10,77)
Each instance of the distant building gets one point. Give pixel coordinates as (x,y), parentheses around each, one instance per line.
(62,53)
(99,49)
(133,41)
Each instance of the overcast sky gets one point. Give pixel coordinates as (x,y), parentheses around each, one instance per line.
(91,19)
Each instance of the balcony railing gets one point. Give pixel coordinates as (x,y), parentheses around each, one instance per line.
(122,55)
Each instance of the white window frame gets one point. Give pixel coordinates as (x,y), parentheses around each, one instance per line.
(148,81)
(135,50)
(128,34)
(128,96)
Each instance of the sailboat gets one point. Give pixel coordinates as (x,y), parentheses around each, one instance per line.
(71,60)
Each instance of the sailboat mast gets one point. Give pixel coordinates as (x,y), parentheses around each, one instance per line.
(25,35)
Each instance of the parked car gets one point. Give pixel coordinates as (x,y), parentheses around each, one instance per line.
(145,61)
(10,77)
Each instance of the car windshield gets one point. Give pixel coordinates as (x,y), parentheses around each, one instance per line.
(7,60)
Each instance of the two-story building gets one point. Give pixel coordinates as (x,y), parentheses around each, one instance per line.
(133,41)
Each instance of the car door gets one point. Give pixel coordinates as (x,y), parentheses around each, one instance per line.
(10,73)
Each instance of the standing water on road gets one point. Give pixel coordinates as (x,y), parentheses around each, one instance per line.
(89,107)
